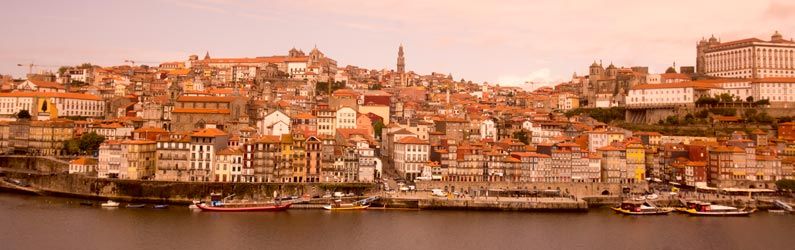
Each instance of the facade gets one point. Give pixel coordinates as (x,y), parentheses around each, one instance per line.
(172,158)
(746,58)
(203,146)
(138,160)
(411,156)
(48,105)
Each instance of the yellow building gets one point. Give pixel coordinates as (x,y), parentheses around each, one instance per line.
(138,160)
(636,162)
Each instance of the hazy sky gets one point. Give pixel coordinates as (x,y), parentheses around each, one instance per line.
(494,41)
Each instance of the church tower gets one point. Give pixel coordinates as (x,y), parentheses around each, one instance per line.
(401,66)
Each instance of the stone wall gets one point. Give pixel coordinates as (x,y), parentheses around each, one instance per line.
(177,192)
(39,164)
(573,188)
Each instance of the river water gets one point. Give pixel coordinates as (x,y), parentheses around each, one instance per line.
(34,222)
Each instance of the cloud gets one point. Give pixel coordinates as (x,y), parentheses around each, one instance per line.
(535,79)
(780,11)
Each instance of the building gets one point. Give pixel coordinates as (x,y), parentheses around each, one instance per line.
(138,160)
(203,146)
(229,165)
(83,165)
(746,58)
(49,105)
(172,158)
(110,159)
(411,156)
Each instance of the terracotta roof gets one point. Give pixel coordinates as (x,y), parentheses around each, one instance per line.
(230,151)
(200,111)
(205,99)
(137,142)
(694,85)
(774,80)
(209,132)
(411,140)
(46,84)
(52,95)
(149,130)
(84,161)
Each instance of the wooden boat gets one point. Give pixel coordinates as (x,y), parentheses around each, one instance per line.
(641,208)
(110,204)
(707,209)
(348,206)
(244,207)
(161,206)
(86,203)
(338,205)
(136,205)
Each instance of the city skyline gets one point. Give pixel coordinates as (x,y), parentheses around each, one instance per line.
(494,44)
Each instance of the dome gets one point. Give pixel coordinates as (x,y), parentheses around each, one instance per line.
(594,64)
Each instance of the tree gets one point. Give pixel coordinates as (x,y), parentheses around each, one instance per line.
(521,135)
(23,114)
(72,146)
(762,102)
(786,184)
(87,144)
(90,142)
(378,126)
(749,99)
(706,101)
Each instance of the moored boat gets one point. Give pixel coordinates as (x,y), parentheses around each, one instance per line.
(707,209)
(338,205)
(136,205)
(348,206)
(161,206)
(641,208)
(110,204)
(244,207)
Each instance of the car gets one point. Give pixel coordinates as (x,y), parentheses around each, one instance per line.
(338,194)
(326,196)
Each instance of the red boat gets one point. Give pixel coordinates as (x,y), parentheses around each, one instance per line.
(245,207)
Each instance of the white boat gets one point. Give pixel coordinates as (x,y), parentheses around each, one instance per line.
(707,209)
(110,204)
(652,197)
(194,205)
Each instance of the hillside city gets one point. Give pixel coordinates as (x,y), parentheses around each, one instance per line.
(299,117)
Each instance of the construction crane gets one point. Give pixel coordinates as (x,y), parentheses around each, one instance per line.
(31,65)
(132,62)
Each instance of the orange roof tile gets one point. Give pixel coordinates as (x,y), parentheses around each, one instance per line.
(200,111)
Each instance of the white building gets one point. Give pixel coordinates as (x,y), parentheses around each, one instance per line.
(779,91)
(110,158)
(747,58)
(275,123)
(228,166)
(411,156)
(488,129)
(49,103)
(345,118)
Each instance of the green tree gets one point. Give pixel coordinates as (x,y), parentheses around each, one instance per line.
(72,146)
(23,114)
(378,126)
(762,102)
(749,99)
(86,144)
(786,185)
(90,142)
(521,135)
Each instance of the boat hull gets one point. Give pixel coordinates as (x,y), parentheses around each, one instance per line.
(693,212)
(329,207)
(269,208)
(662,211)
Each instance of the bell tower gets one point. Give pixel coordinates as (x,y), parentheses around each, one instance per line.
(401,66)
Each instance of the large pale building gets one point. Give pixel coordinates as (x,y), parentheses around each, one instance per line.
(746,58)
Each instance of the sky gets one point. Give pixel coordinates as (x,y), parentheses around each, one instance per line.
(505,42)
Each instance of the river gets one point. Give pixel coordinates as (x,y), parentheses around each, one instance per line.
(35,222)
